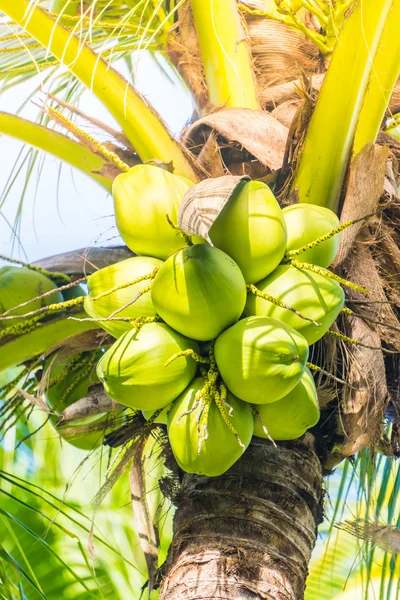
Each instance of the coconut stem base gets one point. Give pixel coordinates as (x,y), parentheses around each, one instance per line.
(249,533)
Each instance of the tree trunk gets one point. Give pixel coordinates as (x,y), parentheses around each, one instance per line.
(248,534)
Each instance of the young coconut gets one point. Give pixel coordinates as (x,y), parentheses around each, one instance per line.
(161,418)
(252,230)
(291,416)
(199,291)
(307,222)
(100,305)
(19,285)
(200,439)
(69,381)
(311,294)
(76,291)
(142,198)
(261,359)
(134,371)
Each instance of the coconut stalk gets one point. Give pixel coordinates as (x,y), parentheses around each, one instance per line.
(384,75)
(250,532)
(60,146)
(142,125)
(66,7)
(330,135)
(225,53)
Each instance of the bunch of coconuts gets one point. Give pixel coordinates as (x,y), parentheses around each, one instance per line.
(212,336)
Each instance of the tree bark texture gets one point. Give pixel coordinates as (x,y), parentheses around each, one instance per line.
(249,533)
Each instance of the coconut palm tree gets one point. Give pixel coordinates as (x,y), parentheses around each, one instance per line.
(295,94)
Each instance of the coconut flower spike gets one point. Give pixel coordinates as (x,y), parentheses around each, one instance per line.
(221,407)
(50,308)
(329,274)
(62,288)
(259,419)
(189,352)
(349,340)
(254,290)
(291,254)
(126,284)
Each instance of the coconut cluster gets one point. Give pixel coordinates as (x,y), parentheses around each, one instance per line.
(213,339)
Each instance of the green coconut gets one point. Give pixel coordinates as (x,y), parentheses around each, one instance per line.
(117,274)
(72,379)
(307,222)
(252,230)
(199,291)
(291,416)
(162,417)
(261,359)
(18,285)
(74,292)
(142,198)
(311,294)
(134,372)
(219,449)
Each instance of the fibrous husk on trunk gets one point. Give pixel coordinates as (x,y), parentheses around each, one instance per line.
(368,256)
(288,93)
(250,142)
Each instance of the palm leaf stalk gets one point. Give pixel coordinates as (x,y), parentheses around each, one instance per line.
(59,145)
(371,65)
(142,126)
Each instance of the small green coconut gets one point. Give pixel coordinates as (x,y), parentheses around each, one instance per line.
(72,379)
(261,359)
(19,285)
(311,294)
(307,222)
(219,449)
(199,291)
(142,198)
(134,372)
(74,292)
(291,416)
(122,272)
(162,417)
(252,230)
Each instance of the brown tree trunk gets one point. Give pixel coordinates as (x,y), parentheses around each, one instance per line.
(248,534)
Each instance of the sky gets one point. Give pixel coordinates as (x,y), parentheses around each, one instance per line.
(80,213)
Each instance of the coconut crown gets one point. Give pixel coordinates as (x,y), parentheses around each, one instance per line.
(218,336)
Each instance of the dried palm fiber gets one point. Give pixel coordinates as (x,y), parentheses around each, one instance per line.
(280,53)
(285,112)
(270,98)
(183,51)
(250,142)
(384,536)
(363,402)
